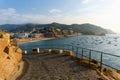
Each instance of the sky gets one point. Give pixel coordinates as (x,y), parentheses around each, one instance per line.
(104,13)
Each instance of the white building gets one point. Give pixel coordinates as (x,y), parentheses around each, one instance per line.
(21,35)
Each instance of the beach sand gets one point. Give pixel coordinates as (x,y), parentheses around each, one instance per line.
(22,41)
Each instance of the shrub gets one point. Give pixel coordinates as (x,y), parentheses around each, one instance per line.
(118,71)
(94,61)
(53,51)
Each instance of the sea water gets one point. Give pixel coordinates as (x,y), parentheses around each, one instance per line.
(108,44)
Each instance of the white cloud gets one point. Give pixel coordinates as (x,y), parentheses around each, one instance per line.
(10,16)
(111,20)
(86,1)
(54,11)
(16,18)
(8,11)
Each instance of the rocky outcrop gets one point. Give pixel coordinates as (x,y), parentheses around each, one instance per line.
(56,32)
(10,57)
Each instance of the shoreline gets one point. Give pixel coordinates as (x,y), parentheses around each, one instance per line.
(22,41)
(27,40)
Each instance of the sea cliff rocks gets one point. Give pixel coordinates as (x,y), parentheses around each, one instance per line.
(10,57)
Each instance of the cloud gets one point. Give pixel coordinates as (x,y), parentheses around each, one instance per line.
(8,11)
(86,1)
(6,14)
(54,11)
(11,16)
(17,18)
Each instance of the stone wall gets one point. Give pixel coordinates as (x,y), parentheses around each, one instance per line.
(10,57)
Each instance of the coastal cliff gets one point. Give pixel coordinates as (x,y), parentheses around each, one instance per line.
(10,57)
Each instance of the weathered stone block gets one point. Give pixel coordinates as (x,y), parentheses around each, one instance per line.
(59,51)
(35,50)
(24,52)
(47,51)
(68,53)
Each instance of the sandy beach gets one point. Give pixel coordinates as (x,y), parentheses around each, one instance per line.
(22,41)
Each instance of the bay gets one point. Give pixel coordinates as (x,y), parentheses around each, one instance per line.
(107,44)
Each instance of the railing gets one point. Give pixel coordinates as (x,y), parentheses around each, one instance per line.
(98,55)
(87,53)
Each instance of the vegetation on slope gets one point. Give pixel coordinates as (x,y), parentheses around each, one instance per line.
(86,29)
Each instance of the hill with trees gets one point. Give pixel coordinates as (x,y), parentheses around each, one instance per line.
(56,28)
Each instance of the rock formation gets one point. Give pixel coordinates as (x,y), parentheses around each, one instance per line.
(56,32)
(10,57)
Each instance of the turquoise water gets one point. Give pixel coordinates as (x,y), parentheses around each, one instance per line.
(108,44)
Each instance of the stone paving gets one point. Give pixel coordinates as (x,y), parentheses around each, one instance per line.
(55,67)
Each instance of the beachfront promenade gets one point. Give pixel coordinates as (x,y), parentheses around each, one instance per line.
(54,67)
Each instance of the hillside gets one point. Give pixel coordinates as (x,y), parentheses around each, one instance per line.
(85,29)
(9,27)
(89,29)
